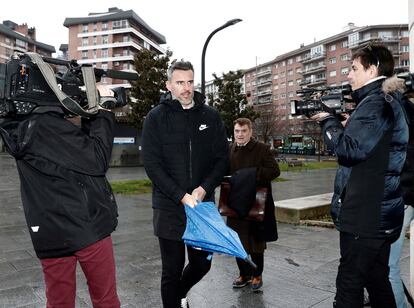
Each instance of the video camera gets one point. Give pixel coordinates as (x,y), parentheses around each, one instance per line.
(28,84)
(323,99)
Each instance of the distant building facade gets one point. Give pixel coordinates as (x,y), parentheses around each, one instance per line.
(109,40)
(272,86)
(20,39)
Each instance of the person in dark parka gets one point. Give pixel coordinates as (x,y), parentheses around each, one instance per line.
(248,158)
(185,152)
(68,203)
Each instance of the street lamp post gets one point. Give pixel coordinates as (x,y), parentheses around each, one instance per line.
(203,66)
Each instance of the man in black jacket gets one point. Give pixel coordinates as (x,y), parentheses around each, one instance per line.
(68,203)
(185,152)
(367,206)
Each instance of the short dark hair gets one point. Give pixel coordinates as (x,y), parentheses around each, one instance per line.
(377,55)
(179,65)
(243,121)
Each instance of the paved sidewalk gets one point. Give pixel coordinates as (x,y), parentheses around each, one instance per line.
(300,268)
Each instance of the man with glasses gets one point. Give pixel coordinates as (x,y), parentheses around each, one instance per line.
(367,206)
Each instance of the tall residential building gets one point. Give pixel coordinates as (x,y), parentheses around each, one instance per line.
(20,39)
(272,86)
(109,40)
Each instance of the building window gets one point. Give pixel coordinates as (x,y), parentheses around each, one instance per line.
(94,53)
(332,47)
(105,39)
(84,54)
(104,65)
(290,61)
(95,27)
(290,72)
(405,48)
(104,53)
(283,85)
(283,63)
(344,71)
(332,60)
(332,73)
(276,65)
(344,57)
(298,58)
(94,40)
(405,62)
(118,24)
(283,95)
(276,87)
(84,28)
(298,70)
(21,44)
(85,41)
(405,33)
(344,44)
(147,45)
(104,26)
(298,81)
(385,34)
(276,76)
(290,83)
(290,94)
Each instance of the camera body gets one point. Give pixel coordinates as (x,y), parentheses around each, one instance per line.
(24,89)
(327,99)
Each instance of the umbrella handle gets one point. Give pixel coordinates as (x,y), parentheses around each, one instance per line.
(251,263)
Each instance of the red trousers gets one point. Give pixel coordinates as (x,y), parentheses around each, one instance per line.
(98,265)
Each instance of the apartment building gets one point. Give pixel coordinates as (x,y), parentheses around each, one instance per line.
(272,85)
(20,39)
(110,39)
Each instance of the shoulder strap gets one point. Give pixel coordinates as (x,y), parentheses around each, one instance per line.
(67,102)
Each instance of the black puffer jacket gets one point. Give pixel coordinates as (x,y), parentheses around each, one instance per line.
(182,149)
(371,150)
(67,201)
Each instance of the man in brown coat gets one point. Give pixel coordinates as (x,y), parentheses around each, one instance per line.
(252,158)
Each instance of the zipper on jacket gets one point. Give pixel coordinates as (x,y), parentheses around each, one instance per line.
(190,162)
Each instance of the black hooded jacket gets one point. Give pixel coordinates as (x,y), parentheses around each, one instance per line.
(182,149)
(67,201)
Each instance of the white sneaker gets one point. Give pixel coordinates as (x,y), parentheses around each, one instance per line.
(184,303)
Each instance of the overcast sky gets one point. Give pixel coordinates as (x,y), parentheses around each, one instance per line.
(269,27)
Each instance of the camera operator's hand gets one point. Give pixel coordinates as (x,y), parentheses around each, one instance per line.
(346,117)
(321,116)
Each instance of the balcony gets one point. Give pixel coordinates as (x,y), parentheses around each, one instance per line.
(264,93)
(314,69)
(266,82)
(264,73)
(317,81)
(314,57)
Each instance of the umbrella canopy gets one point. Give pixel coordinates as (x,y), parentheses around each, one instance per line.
(206,230)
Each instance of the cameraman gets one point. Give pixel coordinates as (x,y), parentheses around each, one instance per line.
(68,203)
(367,206)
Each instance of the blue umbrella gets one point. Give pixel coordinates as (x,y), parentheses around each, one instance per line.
(206,230)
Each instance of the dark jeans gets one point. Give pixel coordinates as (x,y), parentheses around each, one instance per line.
(246,269)
(363,263)
(176,282)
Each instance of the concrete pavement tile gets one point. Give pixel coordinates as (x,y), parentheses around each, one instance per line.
(18,297)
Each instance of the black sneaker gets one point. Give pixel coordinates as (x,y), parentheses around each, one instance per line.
(241,281)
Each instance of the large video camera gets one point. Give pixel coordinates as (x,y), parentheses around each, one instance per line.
(323,99)
(28,84)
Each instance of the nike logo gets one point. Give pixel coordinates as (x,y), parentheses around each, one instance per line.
(202,127)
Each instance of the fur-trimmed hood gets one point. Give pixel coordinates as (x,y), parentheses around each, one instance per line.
(394,84)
